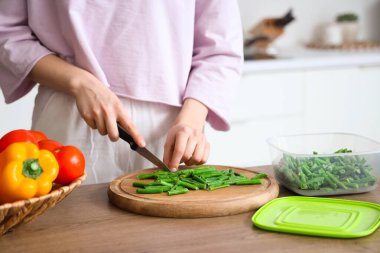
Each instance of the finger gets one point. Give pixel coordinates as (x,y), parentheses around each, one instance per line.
(91,123)
(87,117)
(168,148)
(190,147)
(111,126)
(206,153)
(130,127)
(100,124)
(178,151)
(198,152)
(190,161)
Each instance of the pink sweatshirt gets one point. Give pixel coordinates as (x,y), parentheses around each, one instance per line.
(160,51)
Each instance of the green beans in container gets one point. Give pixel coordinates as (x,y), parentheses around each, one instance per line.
(326,164)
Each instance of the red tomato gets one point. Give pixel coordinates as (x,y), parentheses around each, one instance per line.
(38,135)
(19,135)
(71,164)
(50,145)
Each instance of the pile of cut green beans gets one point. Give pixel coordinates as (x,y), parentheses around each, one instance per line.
(200,178)
(326,173)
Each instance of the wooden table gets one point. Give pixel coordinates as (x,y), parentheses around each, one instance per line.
(86,222)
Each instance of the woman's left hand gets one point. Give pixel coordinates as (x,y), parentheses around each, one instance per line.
(185,142)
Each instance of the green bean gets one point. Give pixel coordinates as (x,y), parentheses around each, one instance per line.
(217,182)
(211,188)
(259,176)
(294,176)
(351,185)
(335,180)
(305,170)
(188,185)
(185,171)
(343,150)
(211,174)
(233,180)
(138,184)
(238,175)
(147,176)
(199,185)
(178,190)
(212,179)
(248,182)
(148,191)
(315,183)
(155,183)
(203,170)
(164,182)
(163,188)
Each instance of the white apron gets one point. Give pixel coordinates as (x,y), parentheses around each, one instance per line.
(56,115)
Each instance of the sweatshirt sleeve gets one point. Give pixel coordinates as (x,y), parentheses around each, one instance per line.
(217,58)
(19,50)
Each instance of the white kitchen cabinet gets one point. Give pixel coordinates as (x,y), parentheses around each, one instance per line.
(266,104)
(334,99)
(345,99)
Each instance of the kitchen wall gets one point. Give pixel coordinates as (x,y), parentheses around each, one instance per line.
(311,14)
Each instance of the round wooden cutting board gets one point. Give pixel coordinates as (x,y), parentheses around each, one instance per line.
(193,204)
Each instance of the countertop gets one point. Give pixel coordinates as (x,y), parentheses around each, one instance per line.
(86,222)
(302,58)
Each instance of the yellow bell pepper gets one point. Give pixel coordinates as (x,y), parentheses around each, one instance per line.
(26,172)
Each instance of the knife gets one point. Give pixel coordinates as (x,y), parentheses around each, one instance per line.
(123,134)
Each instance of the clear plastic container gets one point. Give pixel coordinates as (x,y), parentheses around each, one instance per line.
(308,165)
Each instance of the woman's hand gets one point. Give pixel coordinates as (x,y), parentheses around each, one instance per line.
(185,141)
(97,104)
(101,108)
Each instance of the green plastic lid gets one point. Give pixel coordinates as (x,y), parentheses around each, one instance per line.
(319,216)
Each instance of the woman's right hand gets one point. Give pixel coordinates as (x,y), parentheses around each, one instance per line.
(97,104)
(101,108)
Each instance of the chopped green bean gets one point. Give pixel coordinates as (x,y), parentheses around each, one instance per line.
(148,191)
(163,188)
(250,181)
(164,182)
(260,175)
(138,184)
(188,185)
(178,190)
(147,176)
(205,177)
(203,170)
(199,179)
(216,182)
(326,173)
(211,188)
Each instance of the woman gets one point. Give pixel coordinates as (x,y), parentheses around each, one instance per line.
(159,68)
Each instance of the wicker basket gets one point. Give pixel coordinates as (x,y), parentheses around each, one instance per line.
(23,211)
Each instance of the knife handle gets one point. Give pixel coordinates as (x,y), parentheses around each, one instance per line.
(123,134)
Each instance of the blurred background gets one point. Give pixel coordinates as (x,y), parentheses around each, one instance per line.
(319,73)
(310,67)
(311,15)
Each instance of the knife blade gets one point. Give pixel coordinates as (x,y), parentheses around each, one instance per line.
(123,134)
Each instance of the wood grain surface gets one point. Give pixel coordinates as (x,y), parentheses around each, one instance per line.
(86,221)
(194,204)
